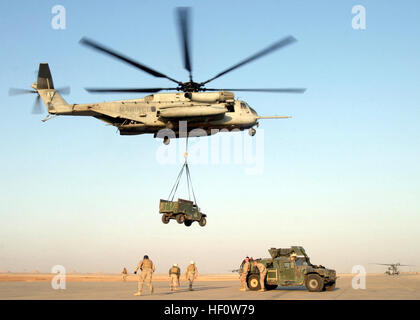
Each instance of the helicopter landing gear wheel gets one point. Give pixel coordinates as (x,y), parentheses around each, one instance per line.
(166,140)
(180,218)
(169,125)
(165,219)
(188,223)
(252,132)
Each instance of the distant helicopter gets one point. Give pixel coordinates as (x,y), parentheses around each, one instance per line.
(393,268)
(161,114)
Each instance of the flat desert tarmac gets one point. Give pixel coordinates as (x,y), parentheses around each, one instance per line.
(207,287)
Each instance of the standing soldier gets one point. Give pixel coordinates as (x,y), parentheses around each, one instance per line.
(174,273)
(263,272)
(147,268)
(124,274)
(244,274)
(191,274)
(293,257)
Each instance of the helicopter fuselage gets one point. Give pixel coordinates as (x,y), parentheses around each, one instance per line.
(153,113)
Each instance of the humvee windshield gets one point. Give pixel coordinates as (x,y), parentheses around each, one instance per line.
(301,262)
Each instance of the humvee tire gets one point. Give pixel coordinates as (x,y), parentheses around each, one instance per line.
(180,218)
(254,282)
(314,283)
(202,222)
(330,286)
(165,219)
(188,223)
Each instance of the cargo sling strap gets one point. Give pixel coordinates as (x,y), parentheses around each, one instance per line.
(188,175)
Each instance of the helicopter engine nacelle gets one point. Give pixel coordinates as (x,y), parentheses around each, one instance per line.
(210,97)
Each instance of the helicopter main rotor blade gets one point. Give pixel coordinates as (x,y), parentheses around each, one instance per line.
(17,91)
(126,90)
(183,15)
(284,90)
(101,48)
(275,46)
(37,107)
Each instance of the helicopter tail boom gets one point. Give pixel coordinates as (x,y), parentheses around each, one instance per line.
(54,102)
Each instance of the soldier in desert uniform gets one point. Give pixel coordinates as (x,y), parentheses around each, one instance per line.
(124,274)
(174,274)
(191,274)
(263,272)
(292,258)
(147,268)
(244,274)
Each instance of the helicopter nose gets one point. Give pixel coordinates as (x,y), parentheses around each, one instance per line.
(254,114)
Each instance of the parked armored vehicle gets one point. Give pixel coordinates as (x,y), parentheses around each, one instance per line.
(183,211)
(291,267)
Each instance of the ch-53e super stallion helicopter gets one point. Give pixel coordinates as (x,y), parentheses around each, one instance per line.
(160,113)
(393,269)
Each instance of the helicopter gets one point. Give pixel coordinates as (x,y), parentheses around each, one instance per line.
(393,268)
(204,111)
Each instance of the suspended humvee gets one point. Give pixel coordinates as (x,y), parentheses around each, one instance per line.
(183,211)
(291,267)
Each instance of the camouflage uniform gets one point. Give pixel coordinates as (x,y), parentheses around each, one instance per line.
(174,273)
(244,275)
(147,268)
(263,272)
(191,274)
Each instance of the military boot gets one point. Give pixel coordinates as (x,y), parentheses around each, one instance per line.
(151,289)
(190,287)
(138,293)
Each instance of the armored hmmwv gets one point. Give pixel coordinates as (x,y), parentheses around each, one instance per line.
(291,267)
(183,211)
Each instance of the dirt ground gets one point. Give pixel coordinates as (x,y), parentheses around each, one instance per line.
(217,287)
(99,277)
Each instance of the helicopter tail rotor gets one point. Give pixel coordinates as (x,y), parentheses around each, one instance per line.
(36,108)
(44,82)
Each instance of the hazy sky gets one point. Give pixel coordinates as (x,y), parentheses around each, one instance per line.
(340,178)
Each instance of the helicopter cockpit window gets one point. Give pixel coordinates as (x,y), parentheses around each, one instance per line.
(243,105)
(230,108)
